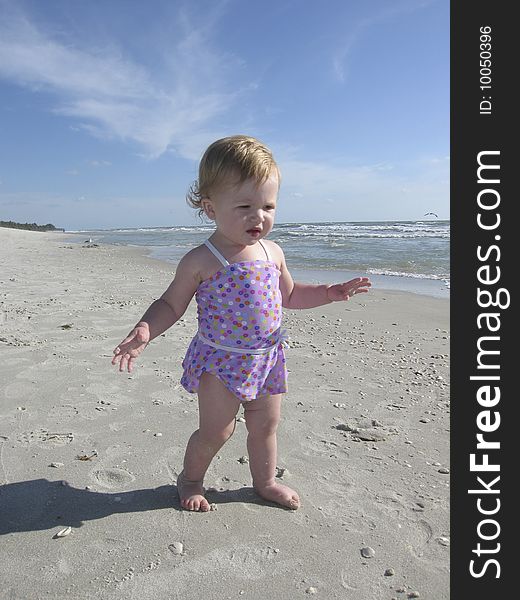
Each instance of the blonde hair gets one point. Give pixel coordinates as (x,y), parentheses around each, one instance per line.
(231,160)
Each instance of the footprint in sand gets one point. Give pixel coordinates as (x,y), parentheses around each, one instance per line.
(112,478)
(45,439)
(420,536)
(63,411)
(243,561)
(320,446)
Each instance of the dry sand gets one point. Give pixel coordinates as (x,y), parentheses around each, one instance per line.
(364,439)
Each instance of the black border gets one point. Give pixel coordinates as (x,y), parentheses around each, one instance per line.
(471,133)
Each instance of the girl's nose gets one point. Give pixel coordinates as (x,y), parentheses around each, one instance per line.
(258,215)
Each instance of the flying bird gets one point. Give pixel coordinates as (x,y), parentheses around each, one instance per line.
(431,213)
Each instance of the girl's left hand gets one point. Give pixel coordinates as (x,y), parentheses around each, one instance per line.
(344,291)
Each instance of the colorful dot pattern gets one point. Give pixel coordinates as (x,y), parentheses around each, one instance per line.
(240,306)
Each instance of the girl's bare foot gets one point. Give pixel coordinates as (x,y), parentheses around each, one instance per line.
(191,494)
(281,494)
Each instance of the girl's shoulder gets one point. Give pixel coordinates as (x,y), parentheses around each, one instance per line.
(203,263)
(195,263)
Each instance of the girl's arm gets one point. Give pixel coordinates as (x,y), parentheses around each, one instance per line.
(170,307)
(302,295)
(161,314)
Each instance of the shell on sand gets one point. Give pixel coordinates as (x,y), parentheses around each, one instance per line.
(176,548)
(64,532)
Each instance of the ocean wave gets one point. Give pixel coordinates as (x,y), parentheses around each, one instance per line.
(160,230)
(389,273)
(366,230)
(359,234)
(365,225)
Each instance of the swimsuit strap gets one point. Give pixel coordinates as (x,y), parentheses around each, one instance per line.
(221,258)
(212,248)
(266,251)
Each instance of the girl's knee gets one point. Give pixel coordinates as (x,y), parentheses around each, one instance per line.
(217,436)
(262,425)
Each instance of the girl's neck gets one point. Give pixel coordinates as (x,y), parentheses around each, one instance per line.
(226,245)
(234,251)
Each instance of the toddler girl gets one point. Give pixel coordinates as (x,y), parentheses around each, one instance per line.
(240,282)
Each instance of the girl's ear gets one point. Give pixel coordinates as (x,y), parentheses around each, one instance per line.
(207,206)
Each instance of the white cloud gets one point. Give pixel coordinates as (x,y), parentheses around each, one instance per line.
(99,163)
(363,192)
(356,30)
(112,96)
(339,60)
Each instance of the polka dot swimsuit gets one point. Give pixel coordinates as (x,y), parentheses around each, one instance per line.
(239,308)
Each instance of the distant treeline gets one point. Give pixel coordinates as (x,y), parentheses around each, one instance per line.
(30,226)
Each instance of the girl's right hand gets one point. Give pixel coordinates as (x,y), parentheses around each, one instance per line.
(131,347)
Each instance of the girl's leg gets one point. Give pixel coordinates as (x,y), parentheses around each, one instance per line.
(217,411)
(262,417)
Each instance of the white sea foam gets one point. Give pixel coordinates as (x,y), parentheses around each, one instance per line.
(358,234)
(368,230)
(411,275)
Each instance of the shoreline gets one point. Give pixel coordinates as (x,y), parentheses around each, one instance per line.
(364,439)
(435,288)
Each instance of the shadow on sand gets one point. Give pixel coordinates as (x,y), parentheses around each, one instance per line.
(41,504)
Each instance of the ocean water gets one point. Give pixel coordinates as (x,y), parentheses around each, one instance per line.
(403,255)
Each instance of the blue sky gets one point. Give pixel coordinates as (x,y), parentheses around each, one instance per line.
(106,106)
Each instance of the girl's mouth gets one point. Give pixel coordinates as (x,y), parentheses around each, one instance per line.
(255,232)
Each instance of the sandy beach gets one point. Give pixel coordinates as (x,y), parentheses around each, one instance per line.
(364,439)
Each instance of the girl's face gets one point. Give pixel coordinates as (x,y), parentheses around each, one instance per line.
(244,213)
